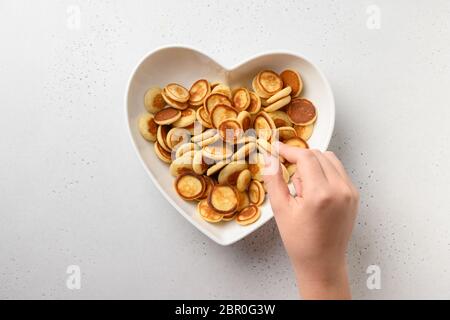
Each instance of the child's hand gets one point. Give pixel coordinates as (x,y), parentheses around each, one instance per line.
(316,224)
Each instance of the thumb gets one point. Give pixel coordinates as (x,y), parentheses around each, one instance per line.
(277,189)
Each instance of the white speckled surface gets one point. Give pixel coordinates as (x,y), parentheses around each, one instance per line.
(72,191)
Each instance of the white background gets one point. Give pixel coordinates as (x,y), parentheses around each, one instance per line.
(72,191)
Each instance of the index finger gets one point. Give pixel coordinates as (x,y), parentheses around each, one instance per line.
(309,169)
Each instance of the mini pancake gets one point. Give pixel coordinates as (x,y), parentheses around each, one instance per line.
(204,135)
(223,89)
(278,104)
(215,99)
(222,112)
(161,137)
(248,215)
(223,198)
(230,130)
(241,99)
(286,133)
(255,103)
(269,81)
(162,154)
(198,92)
(244,201)
(263,125)
(183,148)
(244,151)
(245,119)
(258,90)
(148,127)
(279,95)
(217,151)
(173,103)
(181,165)
(243,180)
(176,137)
(209,141)
(291,168)
(198,164)
(304,132)
(187,118)
(280,118)
(153,100)
(256,192)
(189,185)
(229,216)
(297,142)
(214,84)
(216,167)
(209,185)
(256,166)
(264,102)
(292,79)
(195,128)
(203,117)
(177,92)
(264,146)
(230,173)
(208,213)
(302,112)
(167,116)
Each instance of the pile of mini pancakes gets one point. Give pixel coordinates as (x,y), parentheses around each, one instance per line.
(214,138)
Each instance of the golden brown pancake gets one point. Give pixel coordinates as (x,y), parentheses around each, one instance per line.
(292,79)
(302,112)
(167,116)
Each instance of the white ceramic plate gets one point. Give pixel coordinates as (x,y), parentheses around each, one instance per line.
(185,65)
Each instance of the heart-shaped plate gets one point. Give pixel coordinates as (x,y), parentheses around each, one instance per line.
(185,65)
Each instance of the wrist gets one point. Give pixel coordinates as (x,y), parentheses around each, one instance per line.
(323,282)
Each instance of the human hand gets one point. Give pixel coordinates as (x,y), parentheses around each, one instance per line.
(316,224)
